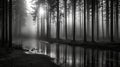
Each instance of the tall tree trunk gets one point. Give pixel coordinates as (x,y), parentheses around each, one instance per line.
(58,23)
(85,39)
(3,22)
(107,18)
(93,19)
(102,21)
(10,23)
(112,40)
(97,20)
(88,19)
(65,19)
(74,24)
(74,15)
(50,25)
(48,21)
(6,22)
(117,19)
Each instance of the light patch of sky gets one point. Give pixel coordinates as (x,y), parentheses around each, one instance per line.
(29,5)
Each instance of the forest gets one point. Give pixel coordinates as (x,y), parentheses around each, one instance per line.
(76,33)
(64,20)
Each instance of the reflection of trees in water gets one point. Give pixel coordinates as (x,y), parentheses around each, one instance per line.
(83,56)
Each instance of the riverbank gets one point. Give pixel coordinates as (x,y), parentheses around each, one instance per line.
(18,58)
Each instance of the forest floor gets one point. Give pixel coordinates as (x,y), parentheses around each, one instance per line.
(18,58)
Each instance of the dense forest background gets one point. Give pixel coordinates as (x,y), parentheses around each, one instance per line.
(67,20)
(79,20)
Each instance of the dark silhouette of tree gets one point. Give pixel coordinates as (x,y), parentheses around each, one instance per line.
(88,16)
(65,18)
(112,21)
(10,24)
(117,19)
(74,15)
(85,21)
(93,19)
(5,23)
(1,19)
(102,21)
(3,8)
(107,18)
(58,21)
(97,11)
(48,23)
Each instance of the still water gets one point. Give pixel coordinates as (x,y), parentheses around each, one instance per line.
(74,56)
